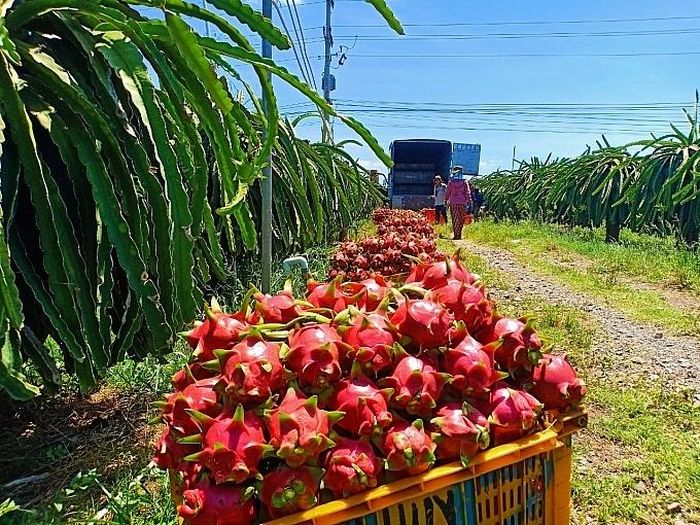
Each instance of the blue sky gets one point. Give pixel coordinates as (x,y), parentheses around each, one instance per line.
(658,66)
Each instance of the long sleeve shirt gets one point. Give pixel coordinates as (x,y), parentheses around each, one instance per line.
(458,192)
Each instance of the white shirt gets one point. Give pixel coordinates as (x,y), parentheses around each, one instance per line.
(439,194)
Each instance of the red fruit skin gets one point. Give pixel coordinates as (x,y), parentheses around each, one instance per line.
(198,396)
(437,274)
(408,448)
(289,490)
(471,366)
(189,375)
(417,385)
(233,447)
(518,345)
(374,290)
(298,429)
(369,341)
(220,331)
(426,323)
(463,432)
(329,295)
(314,356)
(252,372)
(513,414)
(365,406)
(280,308)
(168,452)
(209,504)
(554,383)
(351,467)
(468,303)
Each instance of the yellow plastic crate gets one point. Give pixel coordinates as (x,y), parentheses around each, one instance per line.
(524,482)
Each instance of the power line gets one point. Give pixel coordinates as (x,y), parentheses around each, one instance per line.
(529,55)
(299,32)
(299,60)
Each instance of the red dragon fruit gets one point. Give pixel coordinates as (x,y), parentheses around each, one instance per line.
(192,373)
(517,344)
(437,274)
(554,382)
(314,356)
(289,490)
(468,303)
(209,504)
(299,429)
(372,292)
(463,432)
(364,405)
(425,324)
(232,446)
(331,295)
(351,467)
(199,396)
(168,452)
(471,366)
(417,385)
(220,331)
(251,372)
(408,448)
(368,341)
(514,414)
(281,308)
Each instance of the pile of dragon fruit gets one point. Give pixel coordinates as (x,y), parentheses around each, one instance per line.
(403,237)
(292,402)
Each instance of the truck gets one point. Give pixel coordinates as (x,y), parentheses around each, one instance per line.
(417,161)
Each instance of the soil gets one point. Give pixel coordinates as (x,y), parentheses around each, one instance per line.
(631,349)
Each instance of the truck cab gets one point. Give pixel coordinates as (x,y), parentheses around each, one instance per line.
(417,161)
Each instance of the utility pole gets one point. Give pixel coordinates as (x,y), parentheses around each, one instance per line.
(512,165)
(266,185)
(328,81)
(206,24)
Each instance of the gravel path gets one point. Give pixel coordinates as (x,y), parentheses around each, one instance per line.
(633,349)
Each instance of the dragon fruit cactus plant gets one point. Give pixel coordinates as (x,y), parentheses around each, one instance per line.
(416,384)
(555,384)
(351,467)
(299,430)
(365,406)
(289,490)
(462,432)
(407,447)
(210,504)
(232,447)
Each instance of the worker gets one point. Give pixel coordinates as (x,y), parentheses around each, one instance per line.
(478,200)
(459,199)
(439,191)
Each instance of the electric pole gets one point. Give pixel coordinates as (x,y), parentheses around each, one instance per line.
(266,183)
(328,81)
(512,165)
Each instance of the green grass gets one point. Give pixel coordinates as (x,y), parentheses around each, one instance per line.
(642,444)
(581,259)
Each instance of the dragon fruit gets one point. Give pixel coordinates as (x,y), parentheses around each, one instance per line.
(364,405)
(189,375)
(372,292)
(209,504)
(417,384)
(331,295)
(314,356)
(289,490)
(463,432)
(436,275)
(517,345)
(199,396)
(471,366)
(368,340)
(408,448)
(299,429)
(424,324)
(468,303)
(351,467)
(168,452)
(513,414)
(232,446)
(251,372)
(554,382)
(220,331)
(281,308)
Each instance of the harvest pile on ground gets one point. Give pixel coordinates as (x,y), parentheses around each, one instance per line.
(289,403)
(403,238)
